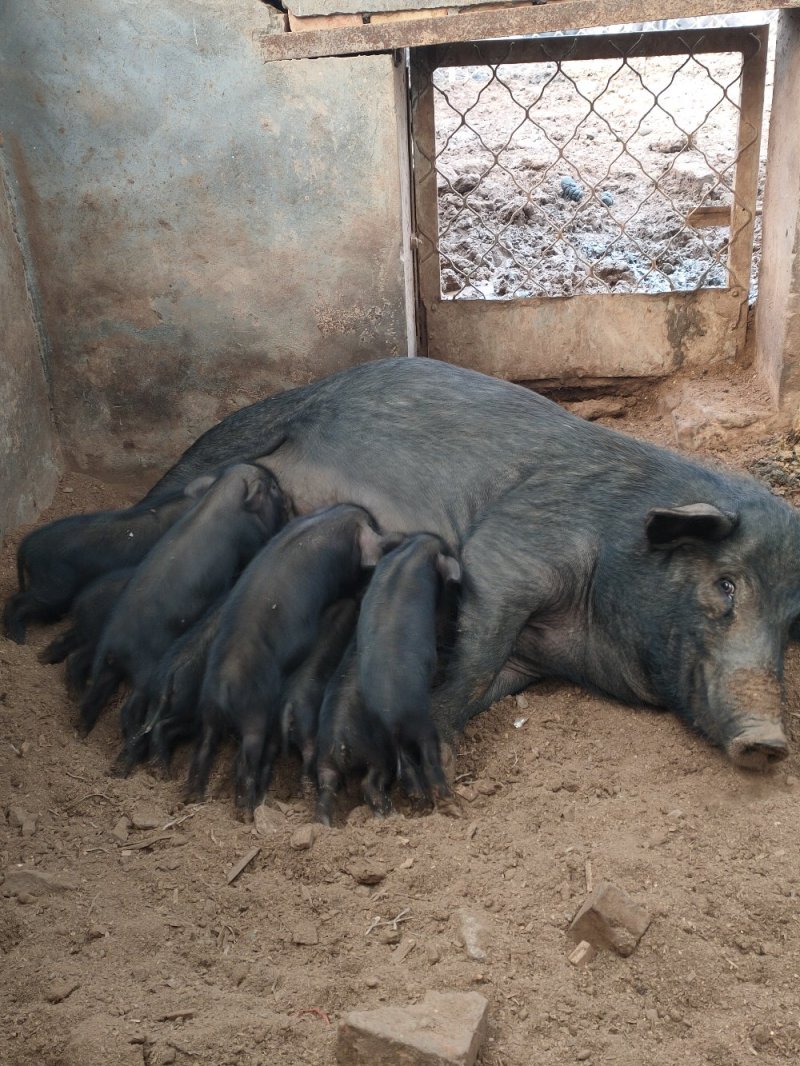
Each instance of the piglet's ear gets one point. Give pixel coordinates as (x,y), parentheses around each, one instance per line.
(254,494)
(448,567)
(197,488)
(371,545)
(668,527)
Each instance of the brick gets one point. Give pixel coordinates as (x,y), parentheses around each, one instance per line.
(302,838)
(365,871)
(446,1029)
(121,829)
(144,817)
(305,932)
(583,954)
(604,407)
(268,820)
(610,920)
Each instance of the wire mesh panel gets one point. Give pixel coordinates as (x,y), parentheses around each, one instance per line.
(587,165)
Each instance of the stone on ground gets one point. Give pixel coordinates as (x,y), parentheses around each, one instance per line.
(610,920)
(446,1029)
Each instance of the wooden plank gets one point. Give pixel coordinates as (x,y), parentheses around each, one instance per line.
(478,25)
(407,215)
(323,22)
(368,7)
(777,328)
(242,864)
(745,190)
(410,16)
(426,199)
(711,215)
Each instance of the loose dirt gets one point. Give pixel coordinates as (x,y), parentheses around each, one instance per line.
(138,948)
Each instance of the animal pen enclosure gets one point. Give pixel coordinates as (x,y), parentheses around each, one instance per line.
(644,243)
(184,229)
(480,235)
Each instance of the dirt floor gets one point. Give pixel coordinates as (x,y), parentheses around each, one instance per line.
(132,947)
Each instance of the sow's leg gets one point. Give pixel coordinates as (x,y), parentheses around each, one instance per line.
(504,585)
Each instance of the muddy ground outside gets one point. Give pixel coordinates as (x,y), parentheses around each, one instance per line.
(146,955)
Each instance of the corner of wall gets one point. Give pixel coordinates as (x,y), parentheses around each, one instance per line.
(31,459)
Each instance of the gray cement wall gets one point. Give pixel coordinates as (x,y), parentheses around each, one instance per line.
(203,228)
(28,450)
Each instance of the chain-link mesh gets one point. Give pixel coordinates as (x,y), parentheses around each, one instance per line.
(564,176)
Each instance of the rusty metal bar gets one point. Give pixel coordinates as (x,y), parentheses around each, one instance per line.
(484,25)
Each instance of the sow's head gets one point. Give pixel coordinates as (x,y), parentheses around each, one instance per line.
(729,594)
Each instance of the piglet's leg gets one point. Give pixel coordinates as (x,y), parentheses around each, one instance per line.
(433,773)
(412,783)
(257,751)
(203,760)
(376,785)
(101,688)
(504,584)
(137,742)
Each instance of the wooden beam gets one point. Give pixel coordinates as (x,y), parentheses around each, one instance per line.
(469,25)
(409,16)
(745,191)
(744,39)
(709,215)
(323,22)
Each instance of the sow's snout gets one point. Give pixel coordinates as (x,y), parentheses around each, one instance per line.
(758,747)
(755,739)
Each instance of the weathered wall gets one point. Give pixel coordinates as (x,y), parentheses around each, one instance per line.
(204,228)
(778,306)
(28,453)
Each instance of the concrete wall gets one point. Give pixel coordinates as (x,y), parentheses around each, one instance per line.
(28,451)
(203,228)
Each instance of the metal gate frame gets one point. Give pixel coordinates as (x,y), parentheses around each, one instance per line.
(587,338)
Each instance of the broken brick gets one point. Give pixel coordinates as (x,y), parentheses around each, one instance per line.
(610,920)
(583,954)
(446,1029)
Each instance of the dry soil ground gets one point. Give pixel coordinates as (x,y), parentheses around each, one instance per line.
(146,955)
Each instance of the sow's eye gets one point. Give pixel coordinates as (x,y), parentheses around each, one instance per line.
(727,587)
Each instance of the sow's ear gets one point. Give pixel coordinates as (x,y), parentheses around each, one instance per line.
(448,567)
(667,527)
